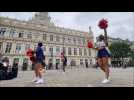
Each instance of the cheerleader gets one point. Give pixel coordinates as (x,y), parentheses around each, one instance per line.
(102,57)
(39,61)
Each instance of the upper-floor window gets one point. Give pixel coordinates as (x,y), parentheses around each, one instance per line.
(51,37)
(8,47)
(69,40)
(74,40)
(51,51)
(44,37)
(79,41)
(57,38)
(29,35)
(75,51)
(69,51)
(18,48)
(2,31)
(21,34)
(57,49)
(0,46)
(12,33)
(63,39)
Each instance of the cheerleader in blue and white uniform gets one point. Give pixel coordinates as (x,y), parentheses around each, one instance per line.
(103,56)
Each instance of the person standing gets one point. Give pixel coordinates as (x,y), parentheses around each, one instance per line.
(15,69)
(64,62)
(102,57)
(38,66)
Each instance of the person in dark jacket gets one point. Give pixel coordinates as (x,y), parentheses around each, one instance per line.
(15,69)
(38,66)
(64,62)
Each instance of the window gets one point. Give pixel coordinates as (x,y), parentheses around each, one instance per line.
(2,31)
(85,52)
(35,46)
(44,48)
(29,36)
(79,41)
(89,52)
(51,51)
(44,37)
(57,49)
(75,51)
(0,46)
(57,38)
(74,40)
(8,47)
(51,37)
(80,51)
(12,33)
(64,50)
(21,35)
(64,39)
(18,48)
(27,46)
(69,40)
(69,51)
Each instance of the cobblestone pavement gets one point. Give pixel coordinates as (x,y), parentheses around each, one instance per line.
(80,77)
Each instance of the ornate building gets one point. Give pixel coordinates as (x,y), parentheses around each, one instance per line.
(17,36)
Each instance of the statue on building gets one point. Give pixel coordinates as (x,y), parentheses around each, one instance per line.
(42,18)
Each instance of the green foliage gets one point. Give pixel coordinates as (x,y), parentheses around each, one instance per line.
(120,49)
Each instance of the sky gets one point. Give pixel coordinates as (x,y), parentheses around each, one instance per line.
(121,24)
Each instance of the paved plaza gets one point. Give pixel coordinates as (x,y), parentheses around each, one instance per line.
(80,77)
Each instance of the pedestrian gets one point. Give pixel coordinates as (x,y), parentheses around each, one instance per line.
(38,66)
(102,57)
(6,69)
(64,60)
(15,69)
(57,63)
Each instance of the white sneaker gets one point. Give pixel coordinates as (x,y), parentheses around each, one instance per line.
(105,81)
(35,80)
(40,81)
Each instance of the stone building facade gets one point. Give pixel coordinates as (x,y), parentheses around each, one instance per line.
(16,37)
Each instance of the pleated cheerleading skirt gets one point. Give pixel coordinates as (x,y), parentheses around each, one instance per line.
(103,53)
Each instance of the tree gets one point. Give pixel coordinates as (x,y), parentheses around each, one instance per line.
(131,54)
(120,50)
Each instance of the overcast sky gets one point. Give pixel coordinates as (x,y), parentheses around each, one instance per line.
(121,24)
